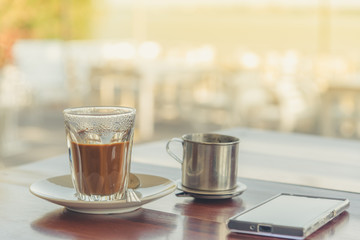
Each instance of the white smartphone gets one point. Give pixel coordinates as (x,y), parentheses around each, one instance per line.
(288,216)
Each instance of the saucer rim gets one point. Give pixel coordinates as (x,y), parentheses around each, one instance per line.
(106,207)
(215,197)
(240,188)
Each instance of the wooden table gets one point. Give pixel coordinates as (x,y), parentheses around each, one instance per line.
(24,216)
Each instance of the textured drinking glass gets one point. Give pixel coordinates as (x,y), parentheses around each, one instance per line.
(100,142)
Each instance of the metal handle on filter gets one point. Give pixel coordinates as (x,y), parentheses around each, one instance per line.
(170,152)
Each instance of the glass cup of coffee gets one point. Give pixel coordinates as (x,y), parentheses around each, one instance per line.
(100,142)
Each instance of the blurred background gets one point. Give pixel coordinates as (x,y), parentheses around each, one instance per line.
(187,66)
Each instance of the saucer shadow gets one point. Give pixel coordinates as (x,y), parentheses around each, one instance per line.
(218,210)
(132,225)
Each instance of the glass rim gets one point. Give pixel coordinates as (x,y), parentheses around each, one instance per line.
(95,111)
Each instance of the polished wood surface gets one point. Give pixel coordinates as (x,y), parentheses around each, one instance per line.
(24,216)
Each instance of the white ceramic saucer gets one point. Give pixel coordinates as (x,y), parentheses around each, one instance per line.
(60,190)
(240,188)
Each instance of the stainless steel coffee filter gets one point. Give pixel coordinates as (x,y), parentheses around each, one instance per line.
(209,161)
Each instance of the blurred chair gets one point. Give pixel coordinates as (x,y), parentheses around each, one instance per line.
(13,98)
(114,85)
(125,85)
(171,93)
(340,115)
(81,57)
(207,99)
